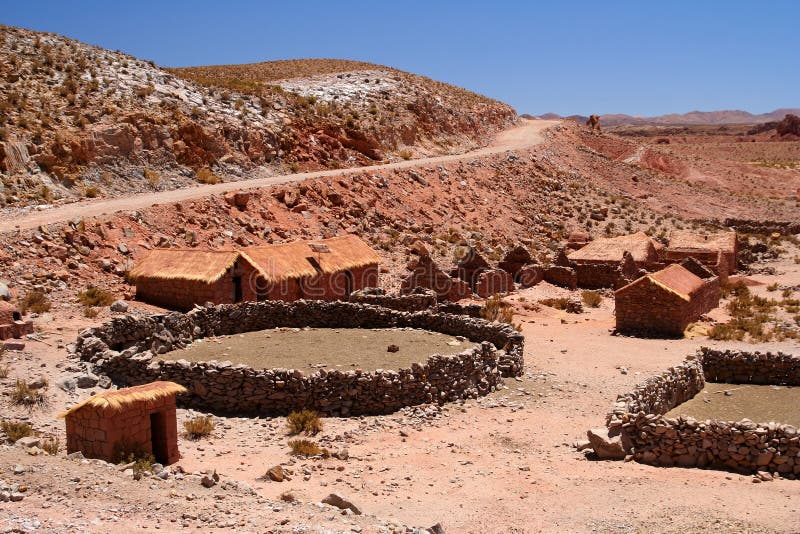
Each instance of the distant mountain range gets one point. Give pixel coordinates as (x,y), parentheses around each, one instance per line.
(734,116)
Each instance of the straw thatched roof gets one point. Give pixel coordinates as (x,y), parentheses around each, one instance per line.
(309,258)
(205,266)
(611,249)
(685,239)
(673,278)
(115,401)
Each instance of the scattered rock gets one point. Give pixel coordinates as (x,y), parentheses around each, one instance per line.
(275,474)
(339,501)
(604,445)
(119,306)
(392,348)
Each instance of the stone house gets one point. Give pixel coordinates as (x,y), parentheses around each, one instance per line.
(328,269)
(113,424)
(515,259)
(180,278)
(665,302)
(719,251)
(11,323)
(603,262)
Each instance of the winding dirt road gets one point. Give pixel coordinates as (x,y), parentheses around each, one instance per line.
(528,133)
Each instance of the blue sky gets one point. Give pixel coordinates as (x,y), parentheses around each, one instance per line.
(638,57)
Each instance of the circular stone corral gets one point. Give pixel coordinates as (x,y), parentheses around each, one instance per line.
(123,348)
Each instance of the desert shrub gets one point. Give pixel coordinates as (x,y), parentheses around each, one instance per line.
(205,176)
(91,192)
(304,421)
(737,289)
(23,395)
(306,447)
(405,154)
(15,431)
(560,303)
(199,426)
(90,313)
(772,287)
(495,309)
(51,446)
(3,371)
(94,296)
(153,177)
(126,452)
(36,302)
(725,332)
(591,298)
(288,496)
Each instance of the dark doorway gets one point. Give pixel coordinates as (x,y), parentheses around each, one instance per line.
(237,289)
(16,316)
(158,437)
(348,283)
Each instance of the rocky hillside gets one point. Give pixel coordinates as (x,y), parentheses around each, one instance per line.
(81,121)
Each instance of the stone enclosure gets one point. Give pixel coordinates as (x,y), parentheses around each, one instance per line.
(124,348)
(743,446)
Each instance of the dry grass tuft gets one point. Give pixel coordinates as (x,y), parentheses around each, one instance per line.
(94,296)
(306,447)
(495,309)
(36,302)
(304,421)
(23,395)
(15,431)
(51,446)
(205,176)
(593,299)
(199,427)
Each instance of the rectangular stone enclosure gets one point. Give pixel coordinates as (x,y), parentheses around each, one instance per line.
(135,420)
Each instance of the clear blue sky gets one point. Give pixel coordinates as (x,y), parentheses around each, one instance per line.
(604,56)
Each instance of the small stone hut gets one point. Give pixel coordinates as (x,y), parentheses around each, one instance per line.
(717,251)
(328,269)
(180,278)
(426,274)
(113,424)
(602,262)
(11,323)
(665,302)
(515,259)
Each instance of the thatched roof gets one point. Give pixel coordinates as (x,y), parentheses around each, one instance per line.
(673,278)
(611,249)
(309,258)
(115,401)
(688,240)
(205,266)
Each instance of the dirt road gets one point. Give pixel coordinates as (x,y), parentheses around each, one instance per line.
(527,133)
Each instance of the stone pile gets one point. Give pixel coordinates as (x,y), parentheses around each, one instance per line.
(124,349)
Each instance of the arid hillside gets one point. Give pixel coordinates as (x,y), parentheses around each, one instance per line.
(78,121)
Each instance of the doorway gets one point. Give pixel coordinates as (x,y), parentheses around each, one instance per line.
(16,316)
(158,437)
(237,289)
(348,283)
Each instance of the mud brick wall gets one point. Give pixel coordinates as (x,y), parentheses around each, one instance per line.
(598,275)
(742,446)
(124,349)
(562,276)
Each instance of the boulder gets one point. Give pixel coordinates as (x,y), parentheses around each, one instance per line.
(605,446)
(339,501)
(275,474)
(119,306)
(86,381)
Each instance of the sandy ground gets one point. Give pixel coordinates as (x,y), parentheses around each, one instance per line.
(734,402)
(502,463)
(332,348)
(527,134)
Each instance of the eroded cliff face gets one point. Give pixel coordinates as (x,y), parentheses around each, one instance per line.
(78,120)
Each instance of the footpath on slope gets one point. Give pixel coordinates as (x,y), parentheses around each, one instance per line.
(528,133)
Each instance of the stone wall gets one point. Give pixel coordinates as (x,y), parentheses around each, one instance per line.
(124,349)
(422,299)
(561,276)
(742,446)
(763,227)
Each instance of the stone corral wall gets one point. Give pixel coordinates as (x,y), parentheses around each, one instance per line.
(418,301)
(742,446)
(763,227)
(124,349)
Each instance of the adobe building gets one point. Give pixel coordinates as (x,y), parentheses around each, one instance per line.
(180,278)
(603,262)
(665,302)
(515,259)
(327,269)
(141,418)
(11,323)
(718,252)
